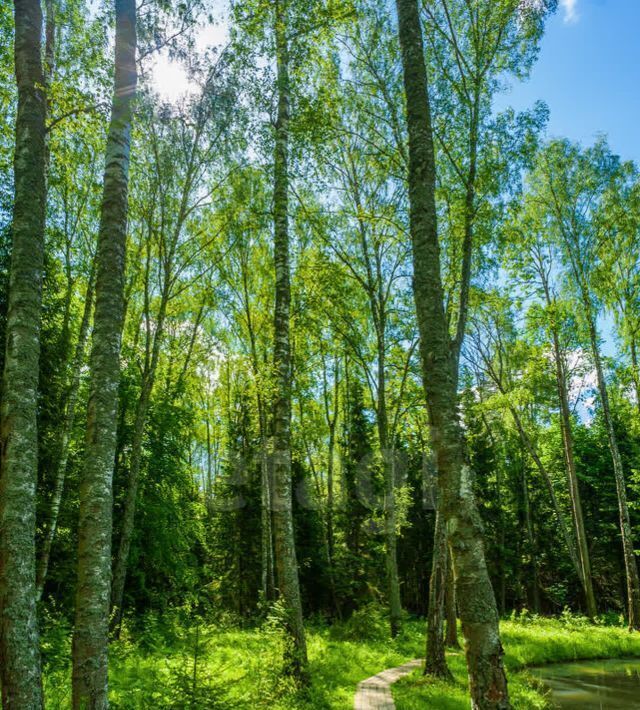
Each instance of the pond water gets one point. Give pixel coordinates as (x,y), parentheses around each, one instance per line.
(593,685)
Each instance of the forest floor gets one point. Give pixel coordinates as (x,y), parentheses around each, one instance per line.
(167,664)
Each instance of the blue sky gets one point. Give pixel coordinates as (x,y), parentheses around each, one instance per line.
(588,73)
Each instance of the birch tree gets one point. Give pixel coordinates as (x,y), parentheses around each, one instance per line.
(569,185)
(284,544)
(477,606)
(19,644)
(90,666)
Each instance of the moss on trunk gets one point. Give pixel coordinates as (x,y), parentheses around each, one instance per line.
(477,605)
(90,686)
(19,649)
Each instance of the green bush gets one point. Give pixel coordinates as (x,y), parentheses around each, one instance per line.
(370,623)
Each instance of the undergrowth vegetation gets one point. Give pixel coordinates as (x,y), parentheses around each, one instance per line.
(179,661)
(175,662)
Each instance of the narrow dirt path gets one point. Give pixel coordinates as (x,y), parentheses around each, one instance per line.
(375,693)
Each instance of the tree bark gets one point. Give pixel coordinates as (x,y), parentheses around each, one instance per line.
(51,523)
(19,648)
(451,612)
(503,578)
(477,606)
(435,660)
(284,541)
(463,308)
(90,638)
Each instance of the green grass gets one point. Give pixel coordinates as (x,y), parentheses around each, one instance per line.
(242,667)
(528,641)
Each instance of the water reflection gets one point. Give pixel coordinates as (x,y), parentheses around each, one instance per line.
(594,685)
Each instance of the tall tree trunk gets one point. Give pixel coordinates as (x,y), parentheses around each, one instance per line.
(330,467)
(477,606)
(284,540)
(19,650)
(502,526)
(572,480)
(562,524)
(531,449)
(463,307)
(133,479)
(391,546)
(331,417)
(631,567)
(435,660)
(90,638)
(67,426)
(582,547)
(266,532)
(535,585)
(266,522)
(503,577)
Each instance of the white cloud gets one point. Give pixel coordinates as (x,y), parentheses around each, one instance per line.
(570,8)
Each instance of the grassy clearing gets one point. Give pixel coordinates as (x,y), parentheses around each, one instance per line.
(236,668)
(241,667)
(528,641)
